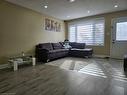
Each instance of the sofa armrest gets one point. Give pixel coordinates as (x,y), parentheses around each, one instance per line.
(42,54)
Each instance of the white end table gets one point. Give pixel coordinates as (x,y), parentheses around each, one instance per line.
(15,61)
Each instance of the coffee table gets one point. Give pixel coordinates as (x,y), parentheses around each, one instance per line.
(16,61)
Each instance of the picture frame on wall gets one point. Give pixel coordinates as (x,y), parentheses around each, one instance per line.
(52,25)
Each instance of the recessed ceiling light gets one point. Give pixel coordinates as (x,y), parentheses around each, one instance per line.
(45,6)
(71,0)
(88,11)
(68,16)
(115,6)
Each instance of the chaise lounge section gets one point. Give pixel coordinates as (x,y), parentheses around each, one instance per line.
(79,50)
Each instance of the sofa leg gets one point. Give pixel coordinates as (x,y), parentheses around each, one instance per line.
(47,60)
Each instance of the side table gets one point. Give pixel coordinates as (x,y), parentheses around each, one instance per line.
(15,61)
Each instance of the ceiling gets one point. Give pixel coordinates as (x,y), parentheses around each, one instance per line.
(64,10)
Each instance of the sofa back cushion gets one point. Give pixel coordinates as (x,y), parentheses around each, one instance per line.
(77,45)
(57,46)
(62,43)
(47,46)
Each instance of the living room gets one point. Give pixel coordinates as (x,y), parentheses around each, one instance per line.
(94,63)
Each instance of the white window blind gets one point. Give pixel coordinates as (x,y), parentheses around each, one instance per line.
(91,33)
(72,34)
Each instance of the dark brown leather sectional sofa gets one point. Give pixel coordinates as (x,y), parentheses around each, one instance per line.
(50,51)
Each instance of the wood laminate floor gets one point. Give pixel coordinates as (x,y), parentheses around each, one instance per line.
(67,76)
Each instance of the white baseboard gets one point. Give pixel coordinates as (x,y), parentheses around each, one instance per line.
(101,56)
(3,66)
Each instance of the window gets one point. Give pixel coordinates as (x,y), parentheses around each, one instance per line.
(72,32)
(121,31)
(91,33)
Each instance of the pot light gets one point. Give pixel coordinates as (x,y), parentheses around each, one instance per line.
(71,0)
(115,6)
(45,6)
(88,11)
(68,16)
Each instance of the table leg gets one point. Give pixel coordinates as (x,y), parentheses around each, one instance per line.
(33,61)
(15,65)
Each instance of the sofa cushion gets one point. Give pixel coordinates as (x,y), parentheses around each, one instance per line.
(86,49)
(77,45)
(57,46)
(62,43)
(47,46)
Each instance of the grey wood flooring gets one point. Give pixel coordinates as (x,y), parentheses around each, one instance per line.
(82,77)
